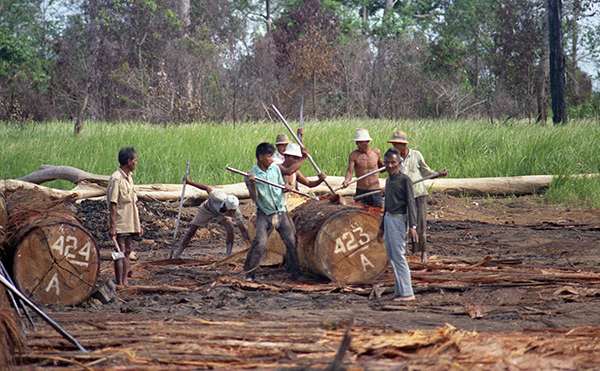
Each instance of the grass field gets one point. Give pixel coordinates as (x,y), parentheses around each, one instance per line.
(465,148)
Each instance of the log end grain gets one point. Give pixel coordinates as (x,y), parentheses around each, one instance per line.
(56,263)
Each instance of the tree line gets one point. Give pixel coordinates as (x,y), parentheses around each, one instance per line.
(177,61)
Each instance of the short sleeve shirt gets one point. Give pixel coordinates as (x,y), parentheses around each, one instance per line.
(415,167)
(270,199)
(120,192)
(278,158)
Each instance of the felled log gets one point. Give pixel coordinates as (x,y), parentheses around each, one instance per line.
(520,185)
(53,259)
(46,173)
(339,241)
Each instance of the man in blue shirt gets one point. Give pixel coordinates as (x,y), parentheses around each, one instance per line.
(270,212)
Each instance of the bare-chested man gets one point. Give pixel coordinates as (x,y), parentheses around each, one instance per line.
(362,161)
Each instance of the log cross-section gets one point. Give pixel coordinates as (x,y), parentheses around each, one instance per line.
(339,242)
(56,263)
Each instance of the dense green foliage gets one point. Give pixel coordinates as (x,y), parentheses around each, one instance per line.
(187,61)
(466,148)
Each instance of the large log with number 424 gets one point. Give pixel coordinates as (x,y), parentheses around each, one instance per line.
(56,261)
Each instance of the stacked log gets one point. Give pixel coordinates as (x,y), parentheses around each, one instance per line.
(52,258)
(339,241)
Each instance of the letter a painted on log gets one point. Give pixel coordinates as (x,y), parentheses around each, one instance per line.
(365,262)
(54,282)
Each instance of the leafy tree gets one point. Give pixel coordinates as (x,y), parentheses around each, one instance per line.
(28,32)
(305,38)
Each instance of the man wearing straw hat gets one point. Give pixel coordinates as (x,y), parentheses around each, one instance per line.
(413,165)
(281,142)
(364,160)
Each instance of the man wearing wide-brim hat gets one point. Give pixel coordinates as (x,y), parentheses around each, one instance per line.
(413,165)
(281,142)
(364,160)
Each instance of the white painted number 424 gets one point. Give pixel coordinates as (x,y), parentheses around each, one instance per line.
(347,242)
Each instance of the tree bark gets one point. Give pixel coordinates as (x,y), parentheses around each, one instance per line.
(557,62)
(47,173)
(542,74)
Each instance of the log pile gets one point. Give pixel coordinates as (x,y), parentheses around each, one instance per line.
(52,258)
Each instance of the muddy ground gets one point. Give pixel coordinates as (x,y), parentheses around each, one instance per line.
(542,273)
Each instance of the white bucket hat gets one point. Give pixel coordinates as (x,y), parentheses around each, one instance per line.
(362,135)
(293,149)
(232,202)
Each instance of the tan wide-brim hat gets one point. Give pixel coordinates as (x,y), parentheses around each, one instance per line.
(362,135)
(399,137)
(282,139)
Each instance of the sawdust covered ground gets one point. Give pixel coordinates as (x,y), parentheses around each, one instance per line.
(504,267)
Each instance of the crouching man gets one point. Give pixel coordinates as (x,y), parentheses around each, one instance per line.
(220,206)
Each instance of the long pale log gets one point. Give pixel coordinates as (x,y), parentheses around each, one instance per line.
(47,173)
(520,185)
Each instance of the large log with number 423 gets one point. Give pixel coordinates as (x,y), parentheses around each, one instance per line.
(339,241)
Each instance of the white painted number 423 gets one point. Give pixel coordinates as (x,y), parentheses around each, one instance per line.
(347,242)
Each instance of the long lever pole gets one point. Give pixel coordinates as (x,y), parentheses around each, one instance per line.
(314,164)
(271,183)
(50,321)
(363,176)
(427,177)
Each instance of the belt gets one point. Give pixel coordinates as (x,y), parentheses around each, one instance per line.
(401,217)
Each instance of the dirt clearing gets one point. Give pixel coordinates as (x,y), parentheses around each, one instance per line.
(512,284)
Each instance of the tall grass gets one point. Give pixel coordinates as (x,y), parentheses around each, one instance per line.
(466,148)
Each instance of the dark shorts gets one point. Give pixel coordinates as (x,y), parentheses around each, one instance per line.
(372,200)
(135,236)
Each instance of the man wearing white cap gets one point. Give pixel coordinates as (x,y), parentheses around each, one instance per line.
(364,160)
(293,154)
(413,164)
(220,206)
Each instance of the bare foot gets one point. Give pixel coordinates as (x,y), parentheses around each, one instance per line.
(405,298)
(424,258)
